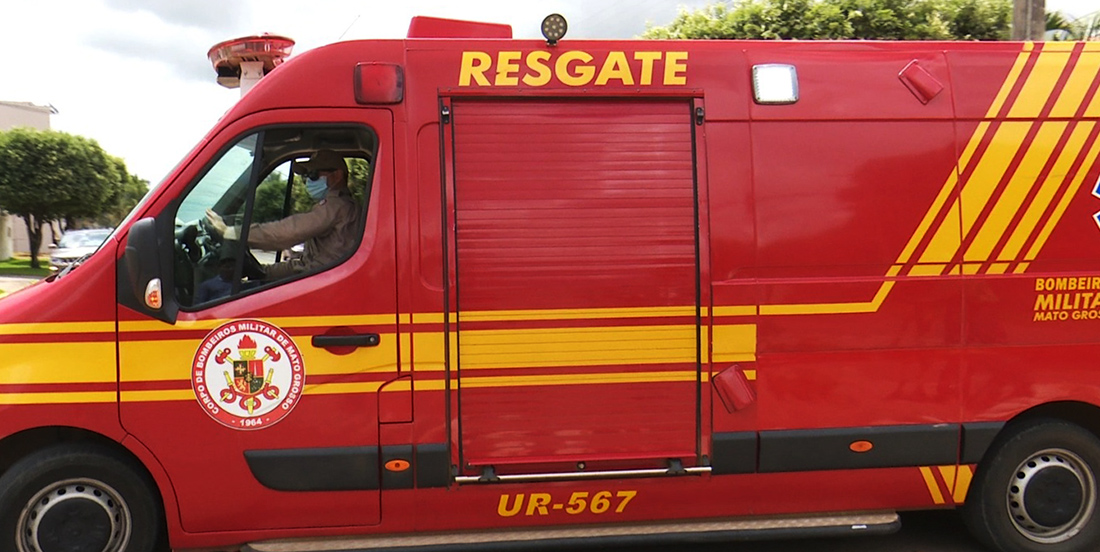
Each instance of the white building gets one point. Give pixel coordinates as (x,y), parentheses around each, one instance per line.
(13,232)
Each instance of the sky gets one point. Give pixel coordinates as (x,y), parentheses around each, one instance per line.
(133,74)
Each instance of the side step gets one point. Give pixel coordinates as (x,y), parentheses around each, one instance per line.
(876,523)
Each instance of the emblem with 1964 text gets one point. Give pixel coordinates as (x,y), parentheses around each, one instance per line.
(247,374)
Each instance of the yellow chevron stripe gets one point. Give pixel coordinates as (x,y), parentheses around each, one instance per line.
(933,485)
(963,479)
(941,249)
(1054,181)
(1093,109)
(1040,83)
(971,147)
(937,204)
(978,190)
(1068,196)
(1010,81)
(1080,80)
(1019,186)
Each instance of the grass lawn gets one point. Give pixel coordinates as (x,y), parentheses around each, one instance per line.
(21,266)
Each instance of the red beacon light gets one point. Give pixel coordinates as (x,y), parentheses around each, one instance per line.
(242,62)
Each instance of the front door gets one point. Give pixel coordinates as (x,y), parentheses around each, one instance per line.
(576,284)
(261,400)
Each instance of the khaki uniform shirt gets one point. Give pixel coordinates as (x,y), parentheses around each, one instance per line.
(329,231)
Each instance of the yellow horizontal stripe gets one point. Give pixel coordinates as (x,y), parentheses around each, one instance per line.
(734,343)
(282,322)
(1019,186)
(481,349)
(343,388)
(29,363)
(1073,94)
(158,395)
(575,314)
(736,310)
(577,379)
(750,375)
(57,328)
(57,398)
(831,308)
(170,359)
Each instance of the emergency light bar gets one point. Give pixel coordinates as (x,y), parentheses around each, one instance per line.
(247,59)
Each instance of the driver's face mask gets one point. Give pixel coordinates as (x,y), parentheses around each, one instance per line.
(316,187)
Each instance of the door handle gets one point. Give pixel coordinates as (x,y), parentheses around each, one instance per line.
(356,340)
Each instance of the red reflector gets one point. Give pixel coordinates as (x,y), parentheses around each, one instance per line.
(861,446)
(379,83)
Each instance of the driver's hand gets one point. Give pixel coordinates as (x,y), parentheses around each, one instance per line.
(218,224)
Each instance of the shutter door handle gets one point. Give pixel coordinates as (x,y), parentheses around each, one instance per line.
(357,340)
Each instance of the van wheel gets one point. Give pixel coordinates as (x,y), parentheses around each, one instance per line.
(77,497)
(1037,491)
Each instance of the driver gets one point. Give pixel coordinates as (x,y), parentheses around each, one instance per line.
(328,229)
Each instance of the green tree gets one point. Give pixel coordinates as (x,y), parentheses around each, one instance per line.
(49,175)
(125,195)
(843,19)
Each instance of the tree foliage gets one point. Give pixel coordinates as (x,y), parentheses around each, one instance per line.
(47,176)
(843,19)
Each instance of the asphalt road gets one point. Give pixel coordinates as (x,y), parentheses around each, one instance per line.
(920,532)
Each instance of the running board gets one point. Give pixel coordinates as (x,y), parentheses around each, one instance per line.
(877,523)
(489,476)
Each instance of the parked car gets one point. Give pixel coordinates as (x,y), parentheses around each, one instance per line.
(76,244)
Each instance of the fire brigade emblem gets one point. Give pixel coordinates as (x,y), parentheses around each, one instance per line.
(247,374)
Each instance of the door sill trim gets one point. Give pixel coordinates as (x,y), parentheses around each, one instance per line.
(490,477)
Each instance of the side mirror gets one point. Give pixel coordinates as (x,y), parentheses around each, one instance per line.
(51,246)
(145,277)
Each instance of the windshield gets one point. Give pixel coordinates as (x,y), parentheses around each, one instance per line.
(231,171)
(79,238)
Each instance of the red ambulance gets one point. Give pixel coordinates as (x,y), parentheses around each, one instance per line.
(614,290)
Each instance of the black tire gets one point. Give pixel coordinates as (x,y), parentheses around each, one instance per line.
(78,497)
(1036,490)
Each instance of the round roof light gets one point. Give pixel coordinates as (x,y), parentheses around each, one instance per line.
(554,28)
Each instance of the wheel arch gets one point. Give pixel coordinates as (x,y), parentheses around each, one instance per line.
(18,445)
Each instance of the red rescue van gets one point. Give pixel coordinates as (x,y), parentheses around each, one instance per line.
(598,289)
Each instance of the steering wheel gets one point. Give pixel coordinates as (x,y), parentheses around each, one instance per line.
(208,231)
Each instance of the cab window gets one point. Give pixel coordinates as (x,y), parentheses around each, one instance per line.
(263,214)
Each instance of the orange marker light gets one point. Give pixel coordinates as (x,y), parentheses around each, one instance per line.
(397,465)
(861,446)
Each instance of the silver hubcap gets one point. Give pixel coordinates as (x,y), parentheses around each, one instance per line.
(1052,496)
(75,514)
